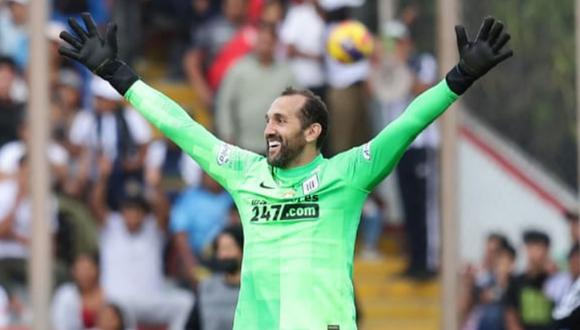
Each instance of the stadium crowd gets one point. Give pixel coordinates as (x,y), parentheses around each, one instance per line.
(496,296)
(143,237)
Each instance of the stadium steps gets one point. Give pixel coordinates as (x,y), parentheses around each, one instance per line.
(389,302)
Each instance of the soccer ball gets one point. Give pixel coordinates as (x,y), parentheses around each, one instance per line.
(349,42)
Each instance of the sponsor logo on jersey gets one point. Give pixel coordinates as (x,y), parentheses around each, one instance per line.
(223,156)
(263,185)
(310,185)
(333,327)
(366,151)
(299,209)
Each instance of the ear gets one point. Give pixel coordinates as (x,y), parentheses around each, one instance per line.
(312,133)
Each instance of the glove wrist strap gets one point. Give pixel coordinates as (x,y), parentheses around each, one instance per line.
(458,80)
(118,74)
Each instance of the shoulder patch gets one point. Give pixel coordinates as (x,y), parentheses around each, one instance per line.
(223,156)
(366,151)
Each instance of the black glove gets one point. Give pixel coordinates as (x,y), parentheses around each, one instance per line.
(98,54)
(479,56)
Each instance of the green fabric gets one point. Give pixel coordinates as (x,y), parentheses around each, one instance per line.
(299,224)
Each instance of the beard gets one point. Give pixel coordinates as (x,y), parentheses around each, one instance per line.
(289,149)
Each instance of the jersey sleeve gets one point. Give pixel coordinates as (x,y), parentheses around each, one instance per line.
(369,164)
(224,162)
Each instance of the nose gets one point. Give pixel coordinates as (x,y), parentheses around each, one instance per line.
(269,129)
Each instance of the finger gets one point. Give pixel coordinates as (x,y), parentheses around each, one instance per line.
(67,52)
(495,32)
(503,56)
(90,24)
(483,33)
(112,35)
(462,38)
(80,32)
(66,36)
(501,41)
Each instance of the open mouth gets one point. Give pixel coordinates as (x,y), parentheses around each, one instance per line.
(274,146)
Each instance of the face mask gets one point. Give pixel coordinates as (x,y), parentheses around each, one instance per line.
(227,265)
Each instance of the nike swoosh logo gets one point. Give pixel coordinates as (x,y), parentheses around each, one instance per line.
(262,185)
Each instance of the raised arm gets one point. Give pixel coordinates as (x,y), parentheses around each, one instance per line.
(221,161)
(370,163)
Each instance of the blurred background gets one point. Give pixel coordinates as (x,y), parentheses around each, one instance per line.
(143,239)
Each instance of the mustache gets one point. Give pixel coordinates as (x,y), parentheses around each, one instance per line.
(274,137)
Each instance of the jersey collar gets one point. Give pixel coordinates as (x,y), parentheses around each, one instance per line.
(297,172)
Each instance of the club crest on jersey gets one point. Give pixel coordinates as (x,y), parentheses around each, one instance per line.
(310,185)
(223,156)
(366,151)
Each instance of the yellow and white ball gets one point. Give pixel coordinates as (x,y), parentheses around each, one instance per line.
(349,42)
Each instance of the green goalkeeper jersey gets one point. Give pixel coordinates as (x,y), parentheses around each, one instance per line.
(300,224)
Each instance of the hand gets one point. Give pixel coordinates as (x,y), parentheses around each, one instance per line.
(88,47)
(478,56)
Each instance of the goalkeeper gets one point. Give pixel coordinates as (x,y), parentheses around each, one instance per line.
(299,210)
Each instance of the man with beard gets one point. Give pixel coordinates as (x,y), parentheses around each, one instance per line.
(299,211)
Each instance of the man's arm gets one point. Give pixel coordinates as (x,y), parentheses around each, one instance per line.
(372,162)
(221,161)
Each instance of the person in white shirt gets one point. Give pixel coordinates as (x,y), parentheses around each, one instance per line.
(16,227)
(12,152)
(302,33)
(112,130)
(131,243)
(77,305)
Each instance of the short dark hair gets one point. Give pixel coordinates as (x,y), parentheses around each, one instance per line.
(8,61)
(313,111)
(536,236)
(509,249)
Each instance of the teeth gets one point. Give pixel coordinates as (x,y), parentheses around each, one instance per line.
(273,144)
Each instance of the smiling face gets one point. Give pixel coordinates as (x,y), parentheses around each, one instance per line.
(285,136)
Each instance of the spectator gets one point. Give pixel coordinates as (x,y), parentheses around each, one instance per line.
(490,295)
(218,295)
(347,97)
(248,90)
(168,166)
(131,246)
(528,307)
(207,45)
(196,230)
(567,313)
(11,110)
(493,273)
(67,102)
(15,227)
(112,130)
(302,34)
(418,168)
(559,284)
(77,305)
(13,31)
(12,152)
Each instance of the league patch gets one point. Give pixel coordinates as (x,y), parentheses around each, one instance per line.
(366,151)
(223,156)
